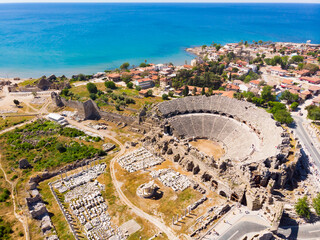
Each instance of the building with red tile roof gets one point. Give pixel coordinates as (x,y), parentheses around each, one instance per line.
(314,80)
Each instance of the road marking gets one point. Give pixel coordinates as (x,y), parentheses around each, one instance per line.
(233,235)
(314,231)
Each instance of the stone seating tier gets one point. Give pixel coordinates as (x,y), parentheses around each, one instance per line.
(238,124)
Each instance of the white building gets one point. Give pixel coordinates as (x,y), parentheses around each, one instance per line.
(57,118)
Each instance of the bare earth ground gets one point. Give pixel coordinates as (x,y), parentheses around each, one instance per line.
(209,147)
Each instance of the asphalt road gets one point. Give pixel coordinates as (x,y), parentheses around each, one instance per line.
(306,231)
(305,139)
(240,229)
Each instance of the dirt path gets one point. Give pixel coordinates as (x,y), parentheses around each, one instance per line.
(21,218)
(157,222)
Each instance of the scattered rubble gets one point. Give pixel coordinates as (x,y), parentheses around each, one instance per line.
(108,147)
(83,194)
(139,159)
(172,179)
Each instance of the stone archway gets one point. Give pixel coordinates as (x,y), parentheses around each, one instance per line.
(223,194)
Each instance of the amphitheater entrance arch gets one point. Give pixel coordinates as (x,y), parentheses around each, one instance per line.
(214,184)
(234,197)
(223,194)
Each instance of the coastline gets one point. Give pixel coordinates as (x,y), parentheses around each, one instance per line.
(86,38)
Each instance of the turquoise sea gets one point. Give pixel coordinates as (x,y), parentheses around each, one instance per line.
(68,38)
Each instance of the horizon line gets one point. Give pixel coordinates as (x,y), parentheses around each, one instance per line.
(164,1)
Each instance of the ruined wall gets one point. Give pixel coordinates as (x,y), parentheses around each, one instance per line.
(113,117)
(86,110)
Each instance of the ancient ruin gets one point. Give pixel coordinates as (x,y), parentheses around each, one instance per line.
(82,193)
(139,159)
(256,159)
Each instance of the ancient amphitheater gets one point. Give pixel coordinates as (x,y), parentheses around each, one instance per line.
(246,132)
(258,155)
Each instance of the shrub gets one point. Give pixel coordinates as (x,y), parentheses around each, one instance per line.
(302,207)
(165,96)
(316,204)
(93,96)
(5,229)
(14,177)
(149,93)
(294,106)
(4,195)
(110,84)
(129,85)
(92,88)
(313,112)
(61,148)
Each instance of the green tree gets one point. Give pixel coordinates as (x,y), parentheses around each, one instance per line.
(185,91)
(110,84)
(138,88)
(297,58)
(294,106)
(194,91)
(203,92)
(313,112)
(124,66)
(171,93)
(283,116)
(16,102)
(143,65)
(130,85)
(61,148)
(289,97)
(302,207)
(266,94)
(92,88)
(316,204)
(165,96)
(300,66)
(149,93)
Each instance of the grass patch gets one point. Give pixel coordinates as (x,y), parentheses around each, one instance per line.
(42,143)
(12,121)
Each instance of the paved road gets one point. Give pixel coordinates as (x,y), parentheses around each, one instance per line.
(306,231)
(157,222)
(305,139)
(240,229)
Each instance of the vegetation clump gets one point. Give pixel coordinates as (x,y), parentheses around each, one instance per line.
(302,207)
(4,194)
(5,229)
(313,112)
(46,144)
